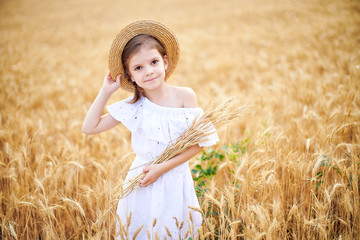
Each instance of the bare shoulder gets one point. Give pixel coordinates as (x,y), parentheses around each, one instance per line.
(187,96)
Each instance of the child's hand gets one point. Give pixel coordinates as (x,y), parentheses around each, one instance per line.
(109,85)
(153,172)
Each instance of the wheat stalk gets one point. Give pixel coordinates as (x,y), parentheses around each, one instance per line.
(196,133)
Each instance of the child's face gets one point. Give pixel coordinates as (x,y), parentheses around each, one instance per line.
(147,68)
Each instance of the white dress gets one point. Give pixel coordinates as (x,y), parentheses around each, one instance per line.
(153,128)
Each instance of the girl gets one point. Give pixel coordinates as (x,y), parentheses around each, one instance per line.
(142,58)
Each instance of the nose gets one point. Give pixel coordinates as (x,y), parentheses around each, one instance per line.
(149,71)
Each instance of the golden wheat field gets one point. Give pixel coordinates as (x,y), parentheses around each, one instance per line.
(294,173)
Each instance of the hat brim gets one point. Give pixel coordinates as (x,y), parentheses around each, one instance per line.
(152,28)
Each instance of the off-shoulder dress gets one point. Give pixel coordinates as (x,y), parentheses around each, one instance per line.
(153,128)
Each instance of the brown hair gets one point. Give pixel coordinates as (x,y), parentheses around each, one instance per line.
(131,48)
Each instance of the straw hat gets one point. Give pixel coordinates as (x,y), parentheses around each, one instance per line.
(155,29)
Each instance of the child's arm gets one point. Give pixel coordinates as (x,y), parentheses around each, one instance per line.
(94,122)
(153,172)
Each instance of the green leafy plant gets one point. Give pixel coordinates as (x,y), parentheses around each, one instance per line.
(208,163)
(326,163)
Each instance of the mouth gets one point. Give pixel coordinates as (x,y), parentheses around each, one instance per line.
(149,80)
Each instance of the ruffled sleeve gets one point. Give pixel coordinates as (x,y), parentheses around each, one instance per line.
(125,112)
(211,139)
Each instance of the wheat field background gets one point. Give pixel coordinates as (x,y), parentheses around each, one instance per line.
(296,64)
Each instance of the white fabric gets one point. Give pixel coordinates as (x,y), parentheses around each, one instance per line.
(153,128)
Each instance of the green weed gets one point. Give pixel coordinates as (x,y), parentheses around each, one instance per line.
(208,163)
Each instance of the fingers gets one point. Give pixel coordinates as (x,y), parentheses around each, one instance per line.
(145,182)
(118,78)
(145,178)
(146,169)
(109,77)
(150,175)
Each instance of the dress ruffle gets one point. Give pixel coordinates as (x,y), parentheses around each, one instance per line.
(163,124)
(126,113)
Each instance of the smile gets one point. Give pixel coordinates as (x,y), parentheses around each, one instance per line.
(149,80)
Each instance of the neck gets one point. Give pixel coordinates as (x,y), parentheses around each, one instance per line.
(156,94)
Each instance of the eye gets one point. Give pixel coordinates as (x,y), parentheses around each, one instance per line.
(137,68)
(154,62)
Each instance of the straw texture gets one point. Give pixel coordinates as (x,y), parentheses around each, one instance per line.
(155,29)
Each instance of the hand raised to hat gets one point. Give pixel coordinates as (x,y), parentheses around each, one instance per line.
(109,85)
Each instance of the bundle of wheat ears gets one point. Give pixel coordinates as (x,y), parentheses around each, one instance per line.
(201,127)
